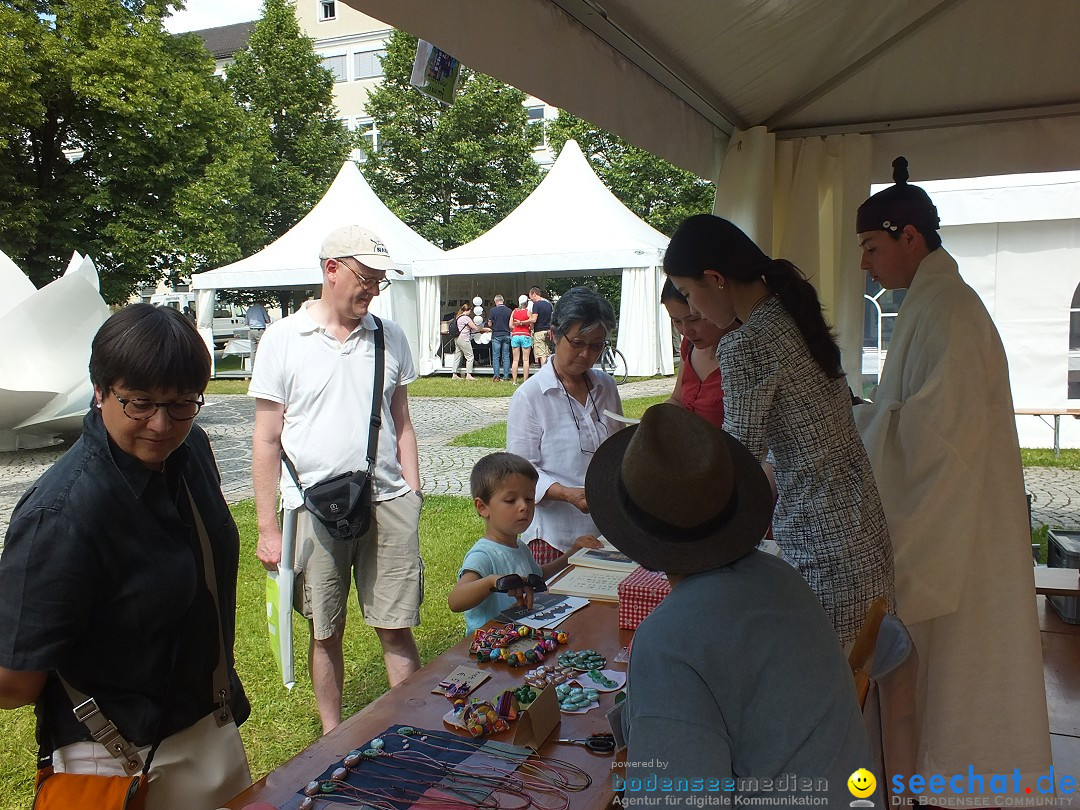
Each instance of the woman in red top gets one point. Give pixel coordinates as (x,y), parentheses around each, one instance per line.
(520,339)
(698,387)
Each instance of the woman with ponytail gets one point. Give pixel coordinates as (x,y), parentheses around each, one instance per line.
(784,391)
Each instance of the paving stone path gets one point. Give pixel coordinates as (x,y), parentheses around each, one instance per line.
(444,469)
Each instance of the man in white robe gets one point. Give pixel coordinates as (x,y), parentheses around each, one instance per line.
(941,437)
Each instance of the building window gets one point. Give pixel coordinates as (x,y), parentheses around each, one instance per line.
(327,11)
(1074,346)
(368,64)
(536,117)
(369,133)
(338,66)
(878,321)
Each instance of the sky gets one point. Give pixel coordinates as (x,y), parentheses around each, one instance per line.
(201,14)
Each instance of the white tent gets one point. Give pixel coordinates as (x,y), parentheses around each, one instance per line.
(292,261)
(802,102)
(570,223)
(1017,240)
(45,387)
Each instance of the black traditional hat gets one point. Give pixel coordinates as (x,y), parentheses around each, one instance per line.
(898,205)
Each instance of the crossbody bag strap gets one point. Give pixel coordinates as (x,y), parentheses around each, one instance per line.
(101,728)
(222,691)
(376,397)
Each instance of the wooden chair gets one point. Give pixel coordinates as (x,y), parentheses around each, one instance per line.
(885,665)
(861,657)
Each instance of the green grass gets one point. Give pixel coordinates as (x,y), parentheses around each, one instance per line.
(494,436)
(283,723)
(1044,457)
(1041,536)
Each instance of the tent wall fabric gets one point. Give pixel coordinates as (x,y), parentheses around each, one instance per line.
(292,261)
(573,223)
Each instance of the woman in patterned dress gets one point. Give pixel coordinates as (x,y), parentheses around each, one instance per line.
(784,391)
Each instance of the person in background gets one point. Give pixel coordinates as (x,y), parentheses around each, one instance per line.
(521,341)
(313,387)
(557,420)
(698,385)
(464,351)
(503,488)
(101,580)
(941,436)
(499,323)
(257,319)
(784,391)
(763,691)
(541,313)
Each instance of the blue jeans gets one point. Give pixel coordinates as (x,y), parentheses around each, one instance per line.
(500,355)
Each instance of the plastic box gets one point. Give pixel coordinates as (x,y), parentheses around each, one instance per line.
(1063,551)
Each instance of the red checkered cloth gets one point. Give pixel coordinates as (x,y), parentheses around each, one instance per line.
(639,594)
(542,552)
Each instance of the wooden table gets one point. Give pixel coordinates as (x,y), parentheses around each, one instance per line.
(412,703)
(1057,413)
(1057,581)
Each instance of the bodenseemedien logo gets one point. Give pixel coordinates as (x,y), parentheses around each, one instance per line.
(861,784)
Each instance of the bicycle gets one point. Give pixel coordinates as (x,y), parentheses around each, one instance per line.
(613,363)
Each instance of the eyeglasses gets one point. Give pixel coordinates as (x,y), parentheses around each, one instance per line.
(514,582)
(183,410)
(365,282)
(577,344)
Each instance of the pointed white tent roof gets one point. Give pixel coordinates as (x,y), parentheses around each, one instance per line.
(570,222)
(293,259)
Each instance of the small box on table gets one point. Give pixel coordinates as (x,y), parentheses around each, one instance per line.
(639,594)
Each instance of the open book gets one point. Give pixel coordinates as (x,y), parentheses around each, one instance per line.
(592,583)
(608,558)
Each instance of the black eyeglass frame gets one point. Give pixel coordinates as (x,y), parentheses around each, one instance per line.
(365,282)
(124,401)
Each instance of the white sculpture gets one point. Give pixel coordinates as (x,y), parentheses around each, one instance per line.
(477,301)
(45,385)
(478,310)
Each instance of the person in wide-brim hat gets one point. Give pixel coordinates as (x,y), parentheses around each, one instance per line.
(737,671)
(678,494)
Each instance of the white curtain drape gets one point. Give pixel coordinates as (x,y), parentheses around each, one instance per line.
(797,199)
(205,301)
(428,297)
(647,346)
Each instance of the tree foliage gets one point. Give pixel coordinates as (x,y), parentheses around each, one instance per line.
(281,81)
(117,140)
(449,172)
(657,191)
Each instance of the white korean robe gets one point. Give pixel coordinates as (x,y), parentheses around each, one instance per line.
(941,437)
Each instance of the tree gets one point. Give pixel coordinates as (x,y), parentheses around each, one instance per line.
(657,191)
(449,172)
(281,80)
(117,140)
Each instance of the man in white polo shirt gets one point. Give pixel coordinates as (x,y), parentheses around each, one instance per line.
(313,387)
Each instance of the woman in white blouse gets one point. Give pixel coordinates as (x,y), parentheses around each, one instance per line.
(557,421)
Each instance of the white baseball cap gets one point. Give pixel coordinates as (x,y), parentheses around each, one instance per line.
(352,241)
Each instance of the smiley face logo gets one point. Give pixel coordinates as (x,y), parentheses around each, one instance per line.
(861,783)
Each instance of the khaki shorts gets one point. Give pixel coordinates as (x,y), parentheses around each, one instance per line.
(385,563)
(541,347)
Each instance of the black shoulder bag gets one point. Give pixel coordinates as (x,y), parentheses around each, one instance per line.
(343,503)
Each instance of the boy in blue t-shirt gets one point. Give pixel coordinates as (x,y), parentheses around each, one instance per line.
(504,491)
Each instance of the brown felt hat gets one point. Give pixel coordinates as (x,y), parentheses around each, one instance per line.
(678,494)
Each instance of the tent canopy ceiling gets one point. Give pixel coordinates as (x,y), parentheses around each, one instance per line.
(571,221)
(679,77)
